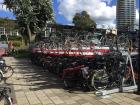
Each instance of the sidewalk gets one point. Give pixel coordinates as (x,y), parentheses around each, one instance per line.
(33,86)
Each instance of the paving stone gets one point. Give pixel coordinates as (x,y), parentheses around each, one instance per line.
(76,98)
(22,101)
(75,104)
(81,101)
(17,88)
(62,104)
(128,100)
(48,91)
(132,96)
(124,103)
(87,103)
(42,97)
(50,104)
(56,100)
(95,102)
(64,97)
(89,99)
(92,95)
(57,91)
(50,94)
(116,100)
(112,103)
(69,101)
(20,94)
(32,98)
(2,102)
(40,94)
(85,96)
(106,101)
(137,99)
(133,102)
(60,94)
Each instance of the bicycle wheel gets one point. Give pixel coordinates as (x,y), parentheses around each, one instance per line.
(123,43)
(5,99)
(8,71)
(99,80)
(128,77)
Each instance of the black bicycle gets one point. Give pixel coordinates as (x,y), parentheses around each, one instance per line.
(111,74)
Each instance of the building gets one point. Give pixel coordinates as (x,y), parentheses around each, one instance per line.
(126,14)
(2,30)
(8,27)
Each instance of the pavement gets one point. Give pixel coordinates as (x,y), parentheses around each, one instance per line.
(33,86)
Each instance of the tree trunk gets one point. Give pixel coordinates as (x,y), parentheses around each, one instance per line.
(29,32)
(31,36)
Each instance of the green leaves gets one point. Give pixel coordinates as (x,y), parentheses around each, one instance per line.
(34,13)
(83,20)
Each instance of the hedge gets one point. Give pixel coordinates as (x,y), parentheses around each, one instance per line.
(17,43)
(22,53)
(15,38)
(10,38)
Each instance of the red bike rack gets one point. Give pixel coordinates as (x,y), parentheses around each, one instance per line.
(90,53)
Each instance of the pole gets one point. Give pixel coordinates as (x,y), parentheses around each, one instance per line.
(139,67)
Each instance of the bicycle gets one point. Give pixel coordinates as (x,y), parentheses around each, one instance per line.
(2,61)
(120,42)
(4,96)
(6,70)
(78,73)
(111,74)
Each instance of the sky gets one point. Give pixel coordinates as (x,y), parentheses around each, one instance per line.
(102,11)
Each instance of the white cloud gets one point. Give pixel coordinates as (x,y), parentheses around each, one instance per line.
(3,7)
(98,10)
(4,12)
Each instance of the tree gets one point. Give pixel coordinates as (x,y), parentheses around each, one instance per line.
(83,20)
(31,15)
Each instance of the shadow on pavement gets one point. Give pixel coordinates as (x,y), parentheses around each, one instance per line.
(35,76)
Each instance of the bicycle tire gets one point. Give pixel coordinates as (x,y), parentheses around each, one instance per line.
(7,100)
(1,77)
(8,71)
(98,85)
